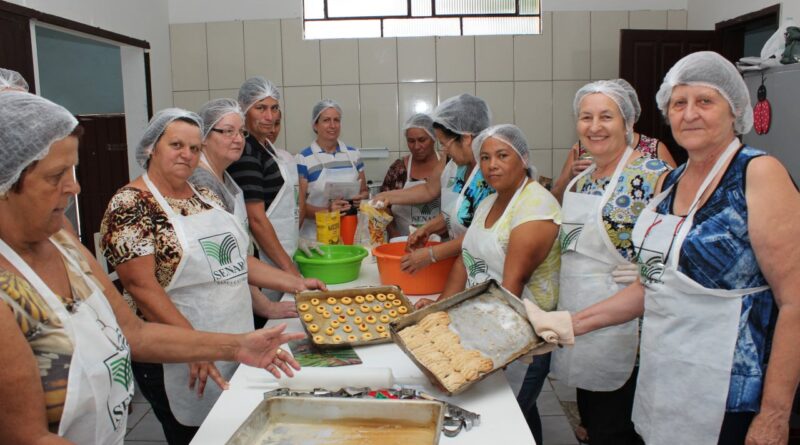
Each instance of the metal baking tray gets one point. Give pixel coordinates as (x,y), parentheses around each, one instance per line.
(319,320)
(485,317)
(340,421)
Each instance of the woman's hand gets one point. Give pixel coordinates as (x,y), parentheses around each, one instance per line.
(339,205)
(768,429)
(423,302)
(381,200)
(277,310)
(313,284)
(200,372)
(261,349)
(580,165)
(417,239)
(414,261)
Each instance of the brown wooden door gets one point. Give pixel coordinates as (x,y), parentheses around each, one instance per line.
(15,46)
(645,57)
(102,169)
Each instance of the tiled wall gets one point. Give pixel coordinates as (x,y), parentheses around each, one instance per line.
(527,80)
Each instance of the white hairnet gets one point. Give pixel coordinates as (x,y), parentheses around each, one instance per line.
(12,80)
(156,127)
(637,107)
(323,105)
(216,109)
(464,114)
(29,125)
(614,92)
(255,89)
(421,121)
(510,135)
(709,69)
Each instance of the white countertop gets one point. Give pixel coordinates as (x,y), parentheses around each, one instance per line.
(492,398)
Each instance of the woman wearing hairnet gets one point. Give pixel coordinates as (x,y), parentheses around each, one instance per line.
(183,261)
(422,163)
(328,161)
(718,282)
(11,80)
(580,158)
(223,142)
(600,207)
(512,239)
(460,186)
(63,325)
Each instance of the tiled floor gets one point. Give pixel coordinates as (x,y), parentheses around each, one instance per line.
(144,428)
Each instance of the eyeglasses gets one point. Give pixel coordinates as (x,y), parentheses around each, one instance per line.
(230,132)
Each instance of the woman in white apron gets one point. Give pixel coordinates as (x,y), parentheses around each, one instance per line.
(329,164)
(423,162)
(67,330)
(512,239)
(223,142)
(460,186)
(207,287)
(718,274)
(599,216)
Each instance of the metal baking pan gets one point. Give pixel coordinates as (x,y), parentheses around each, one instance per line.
(340,421)
(485,317)
(319,320)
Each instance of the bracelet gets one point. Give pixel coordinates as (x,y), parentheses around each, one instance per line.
(430,252)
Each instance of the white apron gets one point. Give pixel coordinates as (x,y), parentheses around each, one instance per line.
(100,385)
(234,192)
(688,335)
(210,289)
(602,360)
(485,259)
(284,210)
(413,215)
(316,189)
(451,200)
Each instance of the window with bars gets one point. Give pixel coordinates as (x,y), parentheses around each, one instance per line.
(339,19)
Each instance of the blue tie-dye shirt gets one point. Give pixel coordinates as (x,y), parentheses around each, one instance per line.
(718,254)
(477,189)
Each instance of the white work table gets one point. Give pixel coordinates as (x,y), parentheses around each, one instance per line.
(501,419)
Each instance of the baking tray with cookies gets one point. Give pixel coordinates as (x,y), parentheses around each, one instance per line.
(459,341)
(351,317)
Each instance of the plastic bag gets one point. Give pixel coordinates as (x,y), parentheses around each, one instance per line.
(377,221)
(776,44)
(791,54)
(328,227)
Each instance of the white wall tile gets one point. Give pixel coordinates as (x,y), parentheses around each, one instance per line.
(677,19)
(230,93)
(414,98)
(339,61)
(189,100)
(377,60)
(533,112)
(296,122)
(225,54)
(455,59)
(500,97)
(543,161)
(301,57)
(494,58)
(648,19)
(606,26)
(559,158)
(379,125)
(445,90)
(416,59)
(533,55)
(189,57)
(571,45)
(348,98)
(563,120)
(375,169)
(262,50)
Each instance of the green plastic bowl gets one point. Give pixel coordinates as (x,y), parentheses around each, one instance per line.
(340,264)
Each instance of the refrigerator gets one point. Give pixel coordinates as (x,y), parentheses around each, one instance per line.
(783,92)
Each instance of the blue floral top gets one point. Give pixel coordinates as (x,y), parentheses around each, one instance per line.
(717,254)
(476,191)
(633,191)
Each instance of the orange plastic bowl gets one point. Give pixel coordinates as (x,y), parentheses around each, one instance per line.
(430,280)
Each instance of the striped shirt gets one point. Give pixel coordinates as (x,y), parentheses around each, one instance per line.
(310,162)
(257,173)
